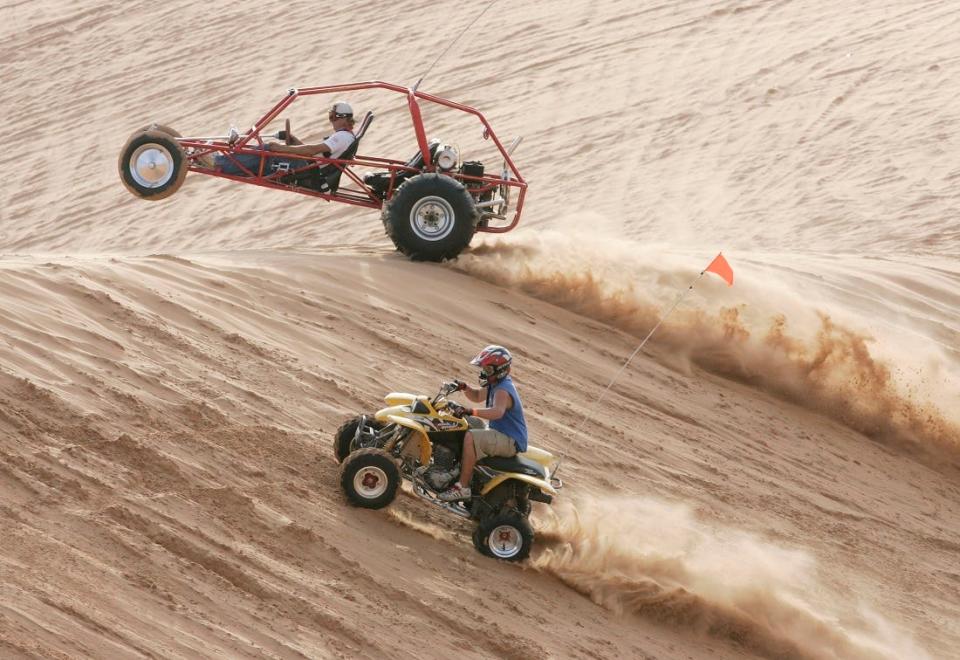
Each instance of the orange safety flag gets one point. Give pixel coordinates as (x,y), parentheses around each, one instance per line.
(720,266)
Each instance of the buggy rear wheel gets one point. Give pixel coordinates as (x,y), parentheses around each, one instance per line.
(505,535)
(152,165)
(431,217)
(370,478)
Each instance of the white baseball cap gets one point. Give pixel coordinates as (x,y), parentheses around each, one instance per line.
(341,109)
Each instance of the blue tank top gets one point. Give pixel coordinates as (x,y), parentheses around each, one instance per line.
(512,423)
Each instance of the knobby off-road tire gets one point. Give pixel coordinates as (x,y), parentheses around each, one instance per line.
(344,436)
(162,128)
(505,535)
(525,506)
(431,217)
(370,478)
(152,165)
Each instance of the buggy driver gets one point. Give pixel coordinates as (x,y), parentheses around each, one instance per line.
(332,146)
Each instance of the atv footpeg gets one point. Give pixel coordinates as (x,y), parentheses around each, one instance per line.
(452,507)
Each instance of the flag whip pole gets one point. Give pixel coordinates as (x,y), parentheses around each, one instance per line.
(719,258)
(638,349)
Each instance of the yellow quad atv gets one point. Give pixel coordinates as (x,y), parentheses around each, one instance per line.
(418,439)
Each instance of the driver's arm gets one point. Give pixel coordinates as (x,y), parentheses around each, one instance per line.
(501,403)
(320,149)
(475,393)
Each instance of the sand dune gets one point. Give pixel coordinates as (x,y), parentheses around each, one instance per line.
(185,462)
(819,363)
(776,475)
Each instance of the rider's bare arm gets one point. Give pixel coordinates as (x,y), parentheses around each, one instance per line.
(501,403)
(475,393)
(320,149)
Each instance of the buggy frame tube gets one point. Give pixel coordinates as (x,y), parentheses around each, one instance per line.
(412,94)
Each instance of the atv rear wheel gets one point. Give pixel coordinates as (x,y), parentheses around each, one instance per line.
(152,165)
(431,217)
(370,478)
(505,535)
(345,435)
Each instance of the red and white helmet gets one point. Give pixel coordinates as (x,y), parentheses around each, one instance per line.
(494,362)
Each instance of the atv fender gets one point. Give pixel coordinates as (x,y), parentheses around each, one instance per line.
(382,414)
(402,398)
(533,481)
(541,456)
(421,438)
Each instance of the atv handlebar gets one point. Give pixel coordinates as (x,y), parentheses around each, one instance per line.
(446,387)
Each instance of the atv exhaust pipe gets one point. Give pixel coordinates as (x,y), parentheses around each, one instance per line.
(540,496)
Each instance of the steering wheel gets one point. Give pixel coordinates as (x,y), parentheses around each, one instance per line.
(287,135)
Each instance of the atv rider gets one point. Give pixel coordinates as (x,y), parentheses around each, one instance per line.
(507,432)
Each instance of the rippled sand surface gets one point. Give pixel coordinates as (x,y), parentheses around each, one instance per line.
(776,474)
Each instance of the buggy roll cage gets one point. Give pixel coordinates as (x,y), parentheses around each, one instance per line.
(359,193)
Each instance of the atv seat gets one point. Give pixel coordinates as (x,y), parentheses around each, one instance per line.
(327,178)
(516,463)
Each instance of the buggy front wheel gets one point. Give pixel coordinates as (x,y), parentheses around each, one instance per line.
(152,165)
(161,128)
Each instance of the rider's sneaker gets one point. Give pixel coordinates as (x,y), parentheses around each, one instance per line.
(455,493)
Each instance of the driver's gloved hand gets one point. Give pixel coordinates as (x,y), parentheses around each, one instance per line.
(461,386)
(457,410)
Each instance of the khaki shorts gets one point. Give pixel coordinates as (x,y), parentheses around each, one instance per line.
(488,442)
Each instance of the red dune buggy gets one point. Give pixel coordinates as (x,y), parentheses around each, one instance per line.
(431,204)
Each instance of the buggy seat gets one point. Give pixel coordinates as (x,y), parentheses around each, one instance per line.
(326,178)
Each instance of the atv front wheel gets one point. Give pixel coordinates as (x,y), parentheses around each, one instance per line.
(152,165)
(370,478)
(344,436)
(431,217)
(506,535)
